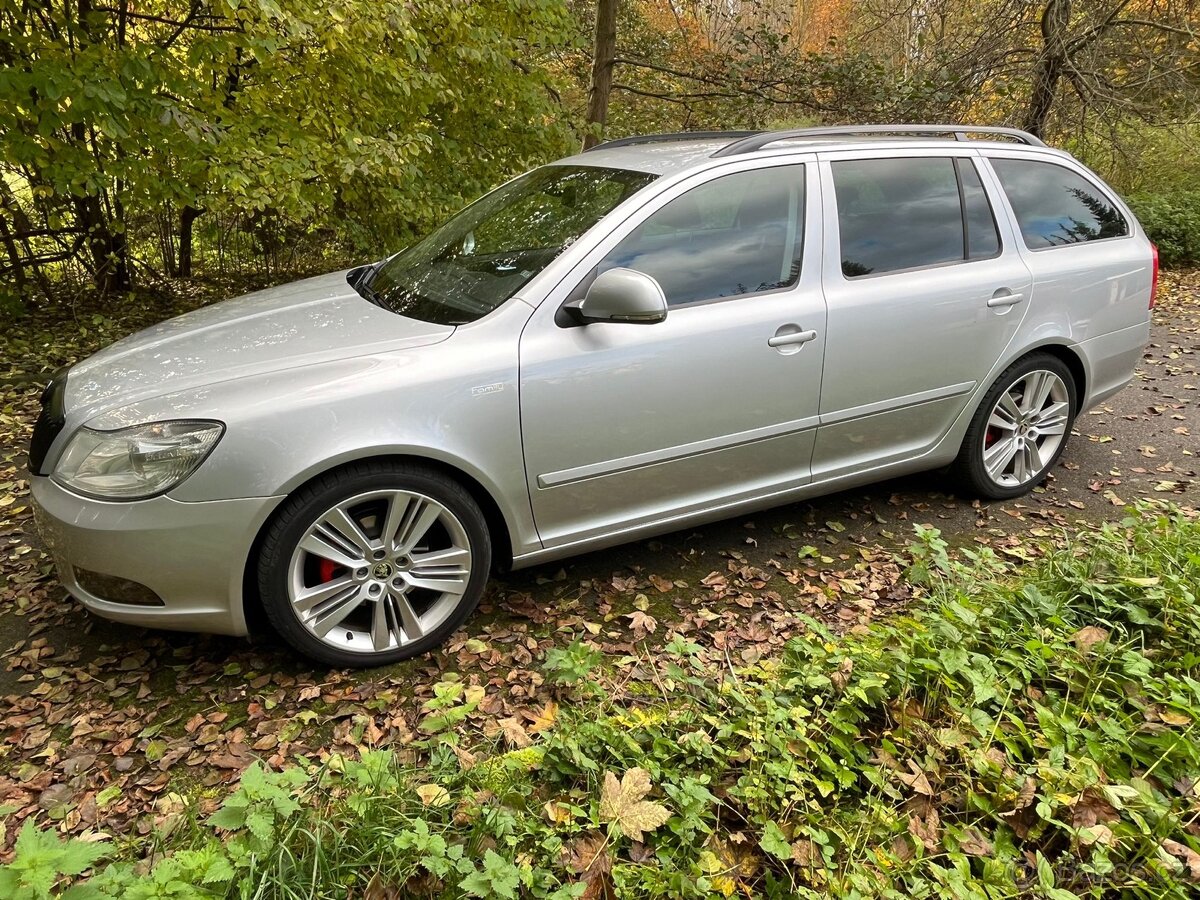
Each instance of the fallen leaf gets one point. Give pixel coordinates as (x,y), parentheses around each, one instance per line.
(642,621)
(663,584)
(589,858)
(557,812)
(1189,857)
(1096,834)
(1088,637)
(433,795)
(916,780)
(973,843)
(622,803)
(515,733)
(926,828)
(841,677)
(543,719)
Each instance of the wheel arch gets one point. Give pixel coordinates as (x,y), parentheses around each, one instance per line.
(1074,363)
(1054,346)
(497,523)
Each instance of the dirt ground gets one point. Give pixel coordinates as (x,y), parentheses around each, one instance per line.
(106,723)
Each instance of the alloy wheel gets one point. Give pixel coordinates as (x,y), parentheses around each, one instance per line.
(1026,428)
(379,571)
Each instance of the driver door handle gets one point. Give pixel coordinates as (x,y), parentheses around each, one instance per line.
(794,337)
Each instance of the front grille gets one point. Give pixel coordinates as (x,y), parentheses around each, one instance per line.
(49,423)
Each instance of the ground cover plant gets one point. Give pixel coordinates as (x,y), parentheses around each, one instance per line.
(1028,729)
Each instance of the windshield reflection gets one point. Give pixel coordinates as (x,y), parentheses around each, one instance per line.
(491,249)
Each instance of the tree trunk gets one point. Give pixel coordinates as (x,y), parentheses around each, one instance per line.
(186,219)
(602,70)
(1056,19)
(107,246)
(16,263)
(166,241)
(107,250)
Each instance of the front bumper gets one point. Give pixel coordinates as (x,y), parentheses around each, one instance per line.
(192,555)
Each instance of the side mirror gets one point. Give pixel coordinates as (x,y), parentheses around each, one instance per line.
(620,295)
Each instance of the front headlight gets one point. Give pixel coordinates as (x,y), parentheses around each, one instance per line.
(137,462)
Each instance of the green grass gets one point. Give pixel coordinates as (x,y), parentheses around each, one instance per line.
(1025,731)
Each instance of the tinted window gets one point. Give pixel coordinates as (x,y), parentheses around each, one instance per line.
(897,214)
(488,252)
(1054,206)
(737,234)
(983,240)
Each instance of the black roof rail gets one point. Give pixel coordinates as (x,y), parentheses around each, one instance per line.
(671,136)
(960,132)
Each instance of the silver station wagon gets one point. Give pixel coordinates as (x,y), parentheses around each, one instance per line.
(660,331)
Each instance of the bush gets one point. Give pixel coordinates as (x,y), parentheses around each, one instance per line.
(1173,223)
(1029,731)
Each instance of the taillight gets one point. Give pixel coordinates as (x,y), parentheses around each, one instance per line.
(1154,275)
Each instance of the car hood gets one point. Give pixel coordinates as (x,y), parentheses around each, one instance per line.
(315,320)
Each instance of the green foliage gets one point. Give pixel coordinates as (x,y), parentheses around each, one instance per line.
(371,118)
(497,878)
(262,803)
(1172,220)
(451,703)
(41,860)
(573,664)
(1027,731)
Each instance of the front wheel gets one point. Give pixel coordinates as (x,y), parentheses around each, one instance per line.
(373,564)
(1020,429)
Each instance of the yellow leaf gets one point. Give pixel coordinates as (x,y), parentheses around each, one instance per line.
(433,795)
(557,812)
(621,804)
(543,719)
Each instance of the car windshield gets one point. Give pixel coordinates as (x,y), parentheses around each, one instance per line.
(491,249)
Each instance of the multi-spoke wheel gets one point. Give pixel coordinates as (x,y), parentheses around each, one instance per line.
(374,564)
(1020,428)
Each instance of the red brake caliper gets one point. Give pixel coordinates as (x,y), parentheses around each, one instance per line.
(989,438)
(325,570)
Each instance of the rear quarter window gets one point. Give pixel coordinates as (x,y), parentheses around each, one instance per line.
(1056,207)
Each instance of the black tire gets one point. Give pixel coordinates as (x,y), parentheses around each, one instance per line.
(969,468)
(312,501)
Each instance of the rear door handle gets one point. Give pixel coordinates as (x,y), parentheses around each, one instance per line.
(793,337)
(999,299)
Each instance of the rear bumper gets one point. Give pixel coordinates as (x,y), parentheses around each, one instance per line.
(191,555)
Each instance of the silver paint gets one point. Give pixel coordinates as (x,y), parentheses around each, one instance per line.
(588,436)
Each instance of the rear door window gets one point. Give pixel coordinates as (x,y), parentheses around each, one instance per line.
(896,214)
(1055,206)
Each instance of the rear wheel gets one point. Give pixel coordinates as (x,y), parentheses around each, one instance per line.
(1020,429)
(373,564)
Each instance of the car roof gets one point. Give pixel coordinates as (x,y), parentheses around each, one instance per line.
(672,153)
(659,159)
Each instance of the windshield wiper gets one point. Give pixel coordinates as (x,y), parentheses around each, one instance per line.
(360,279)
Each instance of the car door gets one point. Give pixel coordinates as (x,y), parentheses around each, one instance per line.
(629,424)
(925,289)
